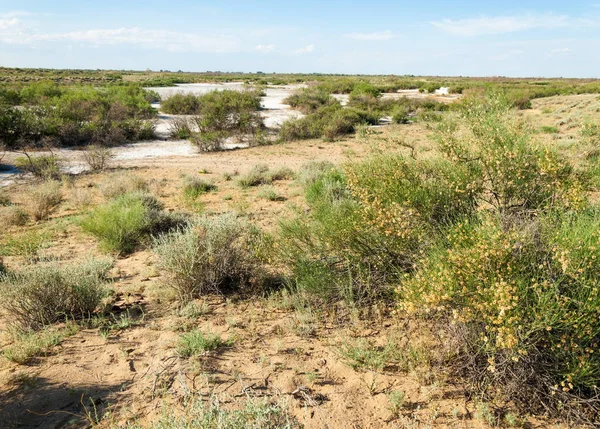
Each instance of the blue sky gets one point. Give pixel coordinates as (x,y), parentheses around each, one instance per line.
(461,38)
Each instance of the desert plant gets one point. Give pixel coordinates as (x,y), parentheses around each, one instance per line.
(254,414)
(43,166)
(13,216)
(97,158)
(269,193)
(43,199)
(181,128)
(120,224)
(28,244)
(195,186)
(29,344)
(37,296)
(212,256)
(121,183)
(309,100)
(197,342)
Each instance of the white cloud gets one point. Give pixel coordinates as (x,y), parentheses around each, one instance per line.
(378,36)
(154,39)
(265,48)
(306,50)
(560,51)
(7,24)
(508,24)
(14,14)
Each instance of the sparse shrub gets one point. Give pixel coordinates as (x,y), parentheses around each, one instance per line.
(181,128)
(258,175)
(196,186)
(43,199)
(196,342)
(364,355)
(121,183)
(210,141)
(549,129)
(212,256)
(38,296)
(254,414)
(27,245)
(13,216)
(312,171)
(29,344)
(44,166)
(400,115)
(4,198)
(269,193)
(97,158)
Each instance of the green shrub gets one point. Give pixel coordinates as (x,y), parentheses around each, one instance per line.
(400,115)
(44,166)
(196,186)
(181,104)
(269,193)
(29,344)
(196,342)
(123,223)
(212,256)
(309,100)
(28,244)
(526,299)
(43,199)
(258,175)
(181,128)
(332,253)
(329,122)
(365,88)
(76,115)
(513,174)
(37,296)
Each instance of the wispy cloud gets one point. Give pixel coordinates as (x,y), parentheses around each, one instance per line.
(508,24)
(265,48)
(306,50)
(14,14)
(560,51)
(12,33)
(377,36)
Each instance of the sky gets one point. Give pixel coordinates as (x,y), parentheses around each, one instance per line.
(431,37)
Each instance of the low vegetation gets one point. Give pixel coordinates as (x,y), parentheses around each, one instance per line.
(46,114)
(125,222)
(218,116)
(214,255)
(43,199)
(38,296)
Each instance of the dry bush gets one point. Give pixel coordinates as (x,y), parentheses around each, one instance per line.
(212,256)
(97,158)
(37,296)
(81,197)
(121,183)
(13,216)
(43,199)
